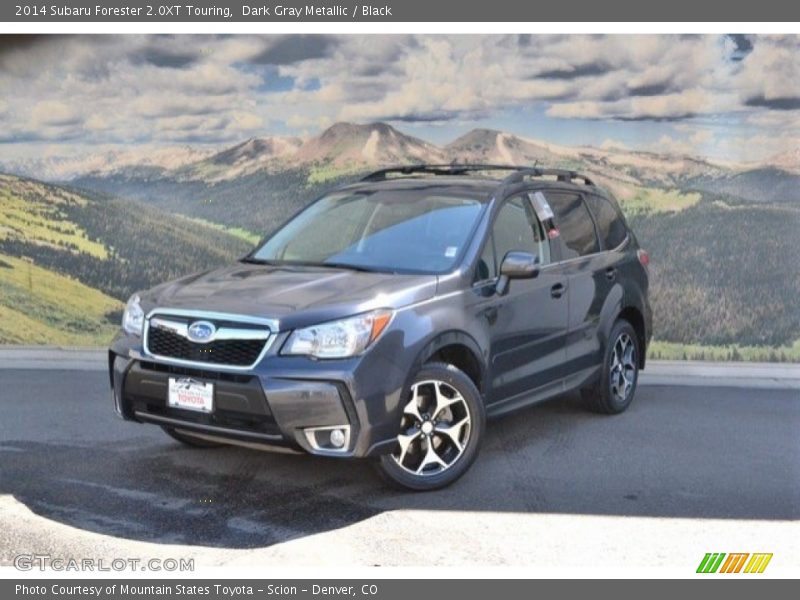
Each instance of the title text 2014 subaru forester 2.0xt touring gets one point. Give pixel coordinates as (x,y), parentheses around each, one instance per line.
(389,318)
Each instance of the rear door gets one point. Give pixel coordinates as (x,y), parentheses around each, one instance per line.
(590,277)
(527,332)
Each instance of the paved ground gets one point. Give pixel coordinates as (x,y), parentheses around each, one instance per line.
(687,470)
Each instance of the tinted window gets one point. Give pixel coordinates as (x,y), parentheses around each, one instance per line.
(609,224)
(574,223)
(408,230)
(516,228)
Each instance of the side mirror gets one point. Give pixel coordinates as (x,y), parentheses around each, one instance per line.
(516,265)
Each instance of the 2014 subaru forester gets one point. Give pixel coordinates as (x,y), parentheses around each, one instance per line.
(391,317)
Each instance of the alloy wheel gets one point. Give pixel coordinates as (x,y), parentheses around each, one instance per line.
(622,374)
(435,429)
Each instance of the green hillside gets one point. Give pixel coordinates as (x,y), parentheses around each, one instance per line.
(649,201)
(757,185)
(724,278)
(724,272)
(89,252)
(38,306)
(257,202)
(40,215)
(721,268)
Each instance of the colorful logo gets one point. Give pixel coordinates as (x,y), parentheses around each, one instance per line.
(719,562)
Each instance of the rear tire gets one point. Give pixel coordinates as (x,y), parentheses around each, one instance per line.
(616,387)
(190,440)
(440,431)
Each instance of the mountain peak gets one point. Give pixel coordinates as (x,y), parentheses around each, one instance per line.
(788,160)
(256,149)
(485,131)
(492,146)
(370,144)
(344,128)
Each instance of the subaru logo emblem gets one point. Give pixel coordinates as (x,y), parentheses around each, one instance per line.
(201,332)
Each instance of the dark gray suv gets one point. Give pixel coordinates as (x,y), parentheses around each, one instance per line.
(390,317)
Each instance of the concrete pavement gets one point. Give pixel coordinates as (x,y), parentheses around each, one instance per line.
(686,470)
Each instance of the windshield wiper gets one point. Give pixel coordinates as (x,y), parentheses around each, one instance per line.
(348,266)
(342,265)
(315,264)
(251,260)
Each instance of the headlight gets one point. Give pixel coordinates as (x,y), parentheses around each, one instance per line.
(338,339)
(133,317)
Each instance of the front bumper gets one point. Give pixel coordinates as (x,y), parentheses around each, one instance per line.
(283,403)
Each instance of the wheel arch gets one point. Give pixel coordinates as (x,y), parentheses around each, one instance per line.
(459,349)
(635,317)
(621,303)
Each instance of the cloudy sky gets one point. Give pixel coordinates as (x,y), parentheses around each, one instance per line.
(730,97)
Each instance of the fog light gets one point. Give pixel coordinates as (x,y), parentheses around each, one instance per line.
(333,439)
(337,438)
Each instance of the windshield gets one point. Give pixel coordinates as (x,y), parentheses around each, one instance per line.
(391,230)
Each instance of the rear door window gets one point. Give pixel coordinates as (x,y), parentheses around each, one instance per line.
(610,225)
(574,223)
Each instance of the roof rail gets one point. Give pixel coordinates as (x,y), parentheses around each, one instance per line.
(437,169)
(519,173)
(564,175)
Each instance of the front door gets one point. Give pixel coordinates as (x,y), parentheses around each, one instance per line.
(527,336)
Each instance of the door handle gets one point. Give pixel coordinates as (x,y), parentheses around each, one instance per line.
(611,273)
(557,290)
(491,314)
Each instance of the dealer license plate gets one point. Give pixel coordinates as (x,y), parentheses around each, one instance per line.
(190,394)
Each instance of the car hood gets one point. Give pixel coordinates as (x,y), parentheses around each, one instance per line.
(294,296)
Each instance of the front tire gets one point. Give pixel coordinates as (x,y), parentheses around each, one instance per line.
(614,391)
(441,430)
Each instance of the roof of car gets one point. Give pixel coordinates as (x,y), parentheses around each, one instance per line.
(470,180)
(471,186)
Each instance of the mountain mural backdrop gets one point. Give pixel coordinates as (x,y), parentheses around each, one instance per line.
(723,237)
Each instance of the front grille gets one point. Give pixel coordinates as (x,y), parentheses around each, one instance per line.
(231,352)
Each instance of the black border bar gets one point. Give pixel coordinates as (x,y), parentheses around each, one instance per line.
(443,11)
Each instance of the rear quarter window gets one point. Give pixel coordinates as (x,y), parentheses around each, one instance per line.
(574,223)
(610,225)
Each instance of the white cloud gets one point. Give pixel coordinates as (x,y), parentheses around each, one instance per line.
(611,144)
(772,71)
(674,105)
(52,112)
(162,89)
(784,120)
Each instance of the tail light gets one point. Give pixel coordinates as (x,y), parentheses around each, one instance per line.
(644,258)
